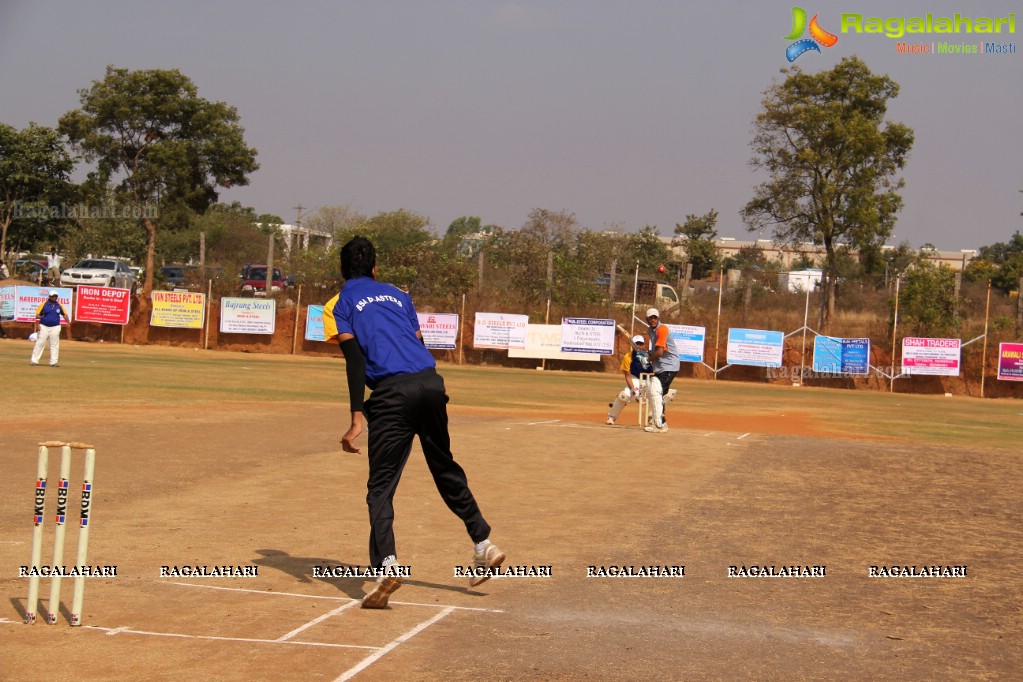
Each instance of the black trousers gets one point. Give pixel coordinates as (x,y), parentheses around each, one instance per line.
(398,409)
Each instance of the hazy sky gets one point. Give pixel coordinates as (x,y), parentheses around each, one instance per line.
(623,113)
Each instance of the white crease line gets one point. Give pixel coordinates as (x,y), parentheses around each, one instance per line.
(250,640)
(376,655)
(445,606)
(315,621)
(742,436)
(242,589)
(549,421)
(317,596)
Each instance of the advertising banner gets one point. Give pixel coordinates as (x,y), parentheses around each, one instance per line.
(689,341)
(587,335)
(543,342)
(841,356)
(755,347)
(440,330)
(314,324)
(248,315)
(184,310)
(931,356)
(499,330)
(1010,361)
(7,296)
(107,305)
(28,299)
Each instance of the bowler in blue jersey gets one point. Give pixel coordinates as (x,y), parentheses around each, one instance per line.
(377,328)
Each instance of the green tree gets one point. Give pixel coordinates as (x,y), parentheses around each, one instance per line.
(648,249)
(1001,262)
(159,143)
(832,161)
(927,300)
(34,173)
(334,220)
(402,239)
(696,236)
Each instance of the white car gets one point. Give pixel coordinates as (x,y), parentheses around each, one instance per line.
(99,272)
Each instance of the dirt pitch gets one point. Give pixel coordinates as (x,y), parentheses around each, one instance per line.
(232,459)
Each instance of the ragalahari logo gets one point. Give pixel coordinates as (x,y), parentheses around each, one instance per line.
(818,36)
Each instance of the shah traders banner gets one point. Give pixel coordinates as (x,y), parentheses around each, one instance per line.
(1010,361)
(28,299)
(834,355)
(248,315)
(689,340)
(7,296)
(314,330)
(106,305)
(440,330)
(184,310)
(755,347)
(499,330)
(587,335)
(931,356)
(543,342)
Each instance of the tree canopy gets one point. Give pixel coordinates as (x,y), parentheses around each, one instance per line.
(34,173)
(158,143)
(696,236)
(832,161)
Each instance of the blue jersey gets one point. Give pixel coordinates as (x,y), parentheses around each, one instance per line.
(49,313)
(384,322)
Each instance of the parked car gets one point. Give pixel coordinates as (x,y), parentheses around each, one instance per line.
(254,280)
(30,270)
(99,272)
(180,276)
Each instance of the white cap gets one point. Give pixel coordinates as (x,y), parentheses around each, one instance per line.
(53,293)
(652,312)
(638,338)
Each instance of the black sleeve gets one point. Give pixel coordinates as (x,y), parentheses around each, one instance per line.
(355,366)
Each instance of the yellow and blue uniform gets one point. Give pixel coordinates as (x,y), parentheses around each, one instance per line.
(408,399)
(384,322)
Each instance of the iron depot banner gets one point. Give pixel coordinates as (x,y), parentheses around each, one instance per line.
(587,335)
(28,299)
(184,310)
(248,315)
(939,357)
(689,340)
(834,355)
(755,347)
(1010,361)
(440,330)
(543,342)
(314,324)
(106,305)
(499,330)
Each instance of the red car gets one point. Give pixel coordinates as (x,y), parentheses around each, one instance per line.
(254,280)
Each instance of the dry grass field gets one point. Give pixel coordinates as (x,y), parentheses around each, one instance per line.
(224,458)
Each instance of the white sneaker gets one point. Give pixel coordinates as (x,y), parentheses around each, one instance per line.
(610,421)
(663,428)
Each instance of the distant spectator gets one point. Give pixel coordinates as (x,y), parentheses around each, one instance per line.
(53,262)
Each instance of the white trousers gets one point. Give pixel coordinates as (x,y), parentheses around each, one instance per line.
(47,335)
(625,396)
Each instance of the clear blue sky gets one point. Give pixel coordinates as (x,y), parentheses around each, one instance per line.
(624,113)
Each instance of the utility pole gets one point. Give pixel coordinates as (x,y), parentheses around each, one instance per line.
(298,225)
